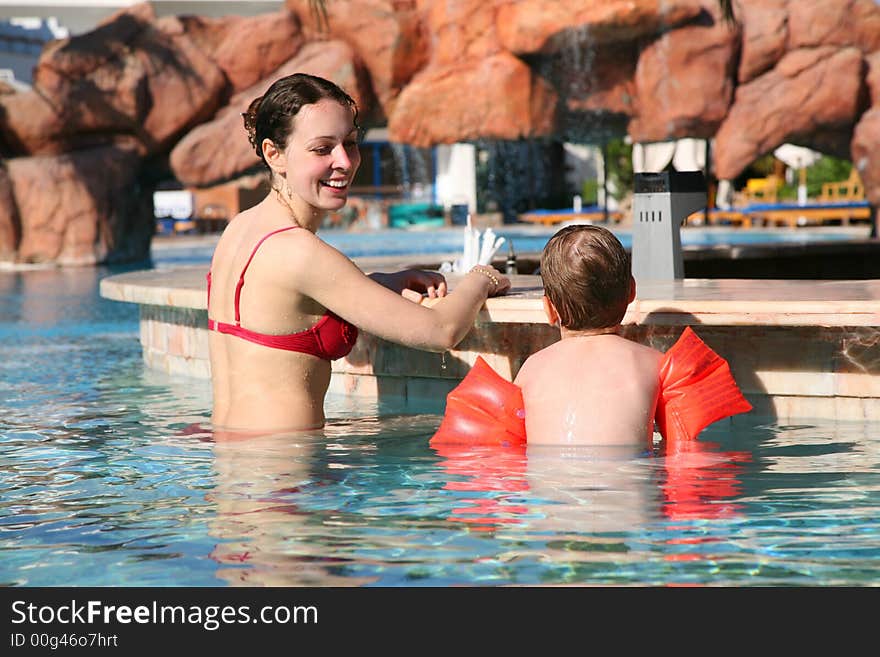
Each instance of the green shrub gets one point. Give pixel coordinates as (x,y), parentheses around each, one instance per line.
(619,166)
(826,169)
(590,192)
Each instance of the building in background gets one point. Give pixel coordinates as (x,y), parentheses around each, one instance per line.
(22,39)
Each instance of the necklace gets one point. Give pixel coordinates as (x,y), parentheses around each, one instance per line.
(286,203)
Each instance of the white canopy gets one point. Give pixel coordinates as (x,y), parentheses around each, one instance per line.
(797,157)
(685,154)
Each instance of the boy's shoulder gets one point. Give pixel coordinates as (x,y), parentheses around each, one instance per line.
(613,341)
(569,352)
(647,350)
(640,355)
(535,363)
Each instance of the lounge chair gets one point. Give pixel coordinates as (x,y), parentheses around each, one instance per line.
(844,191)
(762,190)
(792,214)
(842,201)
(717,216)
(587,213)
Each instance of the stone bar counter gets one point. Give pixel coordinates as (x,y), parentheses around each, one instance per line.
(798,349)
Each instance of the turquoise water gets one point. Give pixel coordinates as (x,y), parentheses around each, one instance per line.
(525,239)
(106,480)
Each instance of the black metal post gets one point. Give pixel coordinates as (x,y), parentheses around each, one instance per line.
(707,169)
(605,182)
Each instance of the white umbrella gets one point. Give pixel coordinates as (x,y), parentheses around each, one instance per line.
(798,157)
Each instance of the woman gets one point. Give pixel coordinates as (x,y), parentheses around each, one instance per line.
(282,303)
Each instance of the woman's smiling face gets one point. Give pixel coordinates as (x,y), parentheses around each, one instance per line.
(323,155)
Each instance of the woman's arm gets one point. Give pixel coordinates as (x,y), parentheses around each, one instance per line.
(334,281)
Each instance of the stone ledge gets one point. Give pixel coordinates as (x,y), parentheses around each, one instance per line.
(798,349)
(678,303)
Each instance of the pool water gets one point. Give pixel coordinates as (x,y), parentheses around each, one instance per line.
(108,479)
(525,239)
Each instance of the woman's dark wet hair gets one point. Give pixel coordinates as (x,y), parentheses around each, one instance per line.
(271,115)
(586,273)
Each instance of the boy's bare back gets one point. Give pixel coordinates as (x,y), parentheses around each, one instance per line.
(591,390)
(594,387)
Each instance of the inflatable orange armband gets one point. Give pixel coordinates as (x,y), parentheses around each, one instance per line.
(484,409)
(696,389)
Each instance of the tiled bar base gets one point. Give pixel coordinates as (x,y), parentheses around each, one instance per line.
(797,350)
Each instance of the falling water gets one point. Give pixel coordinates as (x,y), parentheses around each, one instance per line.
(415,171)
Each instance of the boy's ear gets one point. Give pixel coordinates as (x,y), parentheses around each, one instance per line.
(274,157)
(632,289)
(550,311)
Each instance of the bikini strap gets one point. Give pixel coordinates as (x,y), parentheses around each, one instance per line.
(240,283)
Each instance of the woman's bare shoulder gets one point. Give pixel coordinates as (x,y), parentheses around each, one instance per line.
(301,248)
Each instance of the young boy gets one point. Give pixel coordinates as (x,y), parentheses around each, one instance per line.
(593,387)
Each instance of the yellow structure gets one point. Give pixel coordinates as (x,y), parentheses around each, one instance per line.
(850,189)
(763,190)
(841,202)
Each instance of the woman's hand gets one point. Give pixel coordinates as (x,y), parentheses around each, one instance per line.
(432,283)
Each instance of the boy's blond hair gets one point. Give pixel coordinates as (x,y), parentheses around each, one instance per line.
(587,275)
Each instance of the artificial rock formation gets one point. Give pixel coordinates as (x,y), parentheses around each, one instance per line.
(207,155)
(149,98)
(94,212)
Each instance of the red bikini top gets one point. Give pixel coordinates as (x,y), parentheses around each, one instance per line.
(331,338)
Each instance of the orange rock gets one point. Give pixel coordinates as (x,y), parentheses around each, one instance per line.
(809,91)
(389,36)
(494,98)
(246,48)
(129,76)
(533,26)
(91,212)
(684,83)
(865,154)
